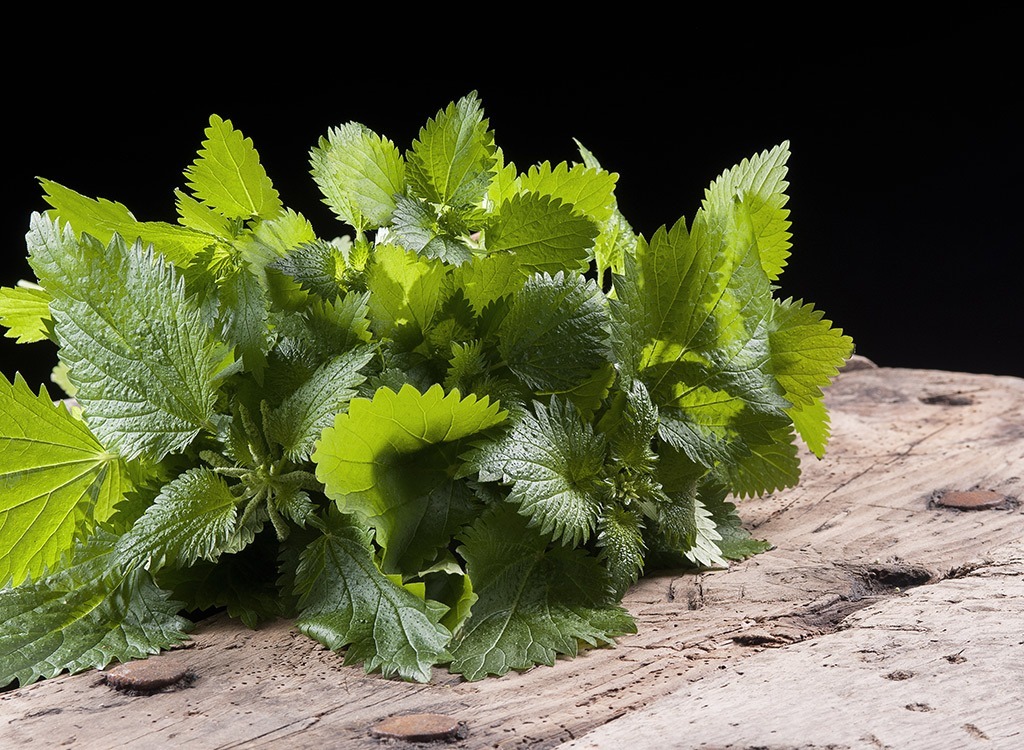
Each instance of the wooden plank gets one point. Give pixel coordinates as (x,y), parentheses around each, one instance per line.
(941,666)
(862,547)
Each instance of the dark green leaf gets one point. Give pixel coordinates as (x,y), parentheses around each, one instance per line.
(347,602)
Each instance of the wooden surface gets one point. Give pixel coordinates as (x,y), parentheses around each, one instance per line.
(881,619)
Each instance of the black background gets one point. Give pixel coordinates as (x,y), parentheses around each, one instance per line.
(904,177)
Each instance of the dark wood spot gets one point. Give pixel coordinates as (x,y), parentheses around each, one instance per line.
(971,499)
(947,399)
(899,675)
(148,676)
(426,727)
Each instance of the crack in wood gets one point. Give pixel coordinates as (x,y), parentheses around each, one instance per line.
(867,585)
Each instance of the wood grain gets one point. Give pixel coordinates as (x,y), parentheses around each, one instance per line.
(879,619)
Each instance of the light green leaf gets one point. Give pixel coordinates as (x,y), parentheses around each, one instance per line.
(56,481)
(297,423)
(25,312)
(466,363)
(137,347)
(616,241)
(359,174)
(347,602)
(452,162)
(591,192)
(631,326)
(589,395)
(769,467)
(535,602)
(228,177)
(556,333)
(193,518)
(807,353)
(405,290)
(59,377)
(759,183)
(200,217)
(709,309)
(545,234)
(85,616)
(393,459)
(487,278)
(284,233)
(553,461)
(505,182)
(103,219)
(813,425)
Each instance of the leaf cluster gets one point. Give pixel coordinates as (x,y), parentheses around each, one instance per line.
(452,436)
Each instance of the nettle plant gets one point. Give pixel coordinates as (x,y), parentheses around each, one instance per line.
(454,437)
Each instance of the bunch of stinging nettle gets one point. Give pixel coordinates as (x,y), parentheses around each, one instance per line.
(454,437)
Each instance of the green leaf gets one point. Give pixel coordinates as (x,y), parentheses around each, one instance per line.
(769,467)
(488,278)
(393,459)
(347,601)
(807,353)
(545,234)
(137,348)
(405,290)
(617,239)
(359,173)
(85,616)
(56,481)
(630,324)
(709,309)
(200,217)
(417,226)
(535,602)
(556,333)
(25,312)
(103,219)
(316,267)
(622,548)
(193,518)
(505,182)
(228,177)
(467,363)
(631,422)
(691,529)
(452,162)
(284,233)
(736,542)
(343,324)
(812,423)
(591,192)
(243,314)
(759,183)
(554,462)
(297,423)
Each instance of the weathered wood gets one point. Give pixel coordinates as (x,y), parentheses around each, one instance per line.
(837,637)
(941,666)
